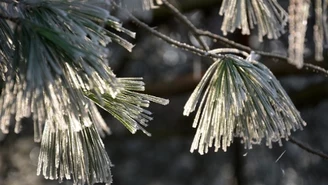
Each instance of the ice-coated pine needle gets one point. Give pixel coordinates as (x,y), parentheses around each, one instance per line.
(298,14)
(238,98)
(268,15)
(320,29)
(55,63)
(129,105)
(79,156)
(57,43)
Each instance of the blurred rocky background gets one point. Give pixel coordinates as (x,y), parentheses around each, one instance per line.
(164,158)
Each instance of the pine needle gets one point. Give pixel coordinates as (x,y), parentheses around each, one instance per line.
(268,15)
(242,99)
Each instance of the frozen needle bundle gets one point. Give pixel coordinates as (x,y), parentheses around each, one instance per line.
(239,98)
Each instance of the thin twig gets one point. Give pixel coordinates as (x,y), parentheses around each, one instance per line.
(229,50)
(166,38)
(233,44)
(307,148)
(187,23)
(316,68)
(224,41)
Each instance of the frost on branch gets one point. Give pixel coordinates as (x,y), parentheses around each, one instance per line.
(239,98)
(268,15)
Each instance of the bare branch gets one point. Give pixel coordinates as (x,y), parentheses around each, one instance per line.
(186,22)
(224,41)
(316,68)
(307,148)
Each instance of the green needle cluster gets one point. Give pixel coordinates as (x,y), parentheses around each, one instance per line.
(240,98)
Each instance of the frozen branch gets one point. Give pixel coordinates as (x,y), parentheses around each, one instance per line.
(224,41)
(187,23)
(307,148)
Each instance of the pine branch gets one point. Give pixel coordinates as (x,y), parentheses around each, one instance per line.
(230,43)
(240,98)
(56,71)
(224,41)
(219,38)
